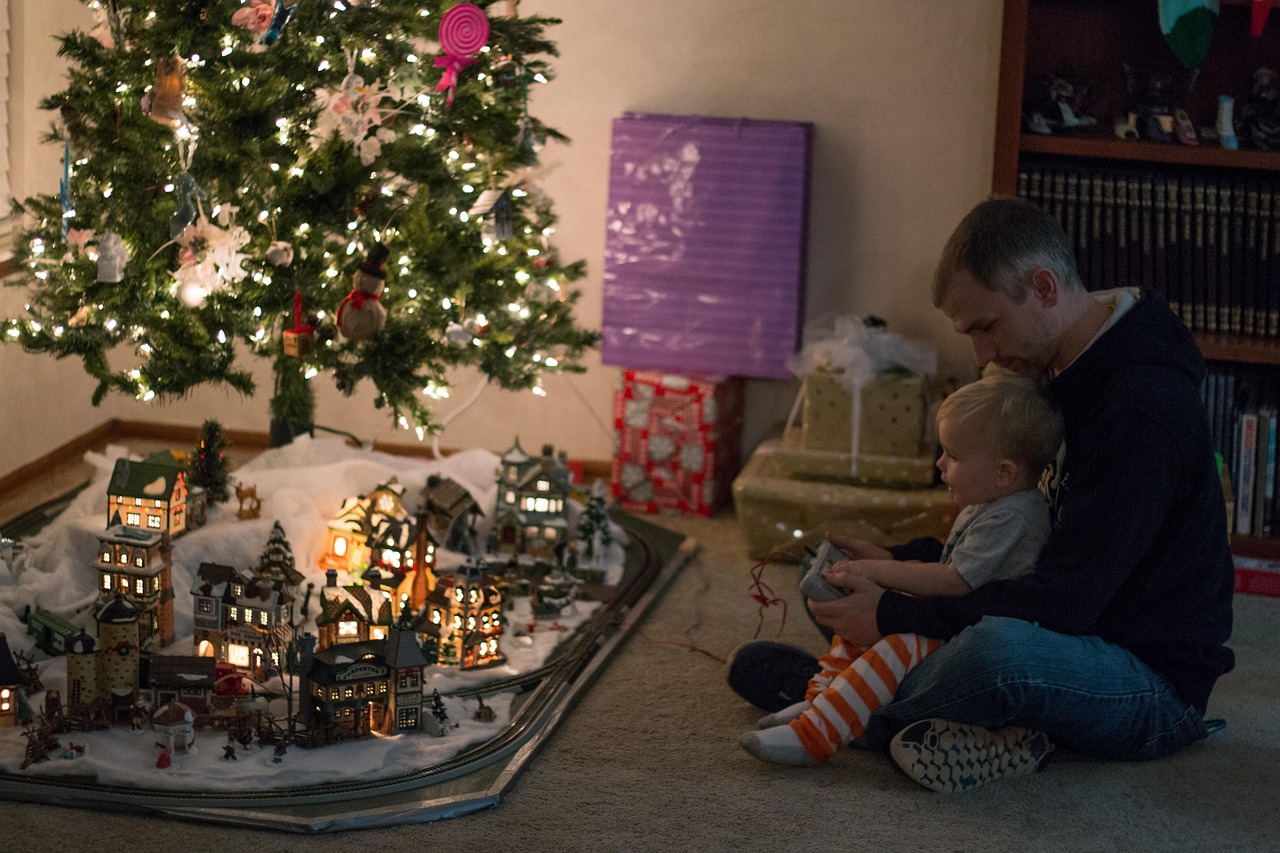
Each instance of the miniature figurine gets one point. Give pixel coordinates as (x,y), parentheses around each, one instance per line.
(1057,101)
(1153,96)
(111,258)
(250,506)
(277,755)
(1226,123)
(1259,118)
(229,751)
(361,314)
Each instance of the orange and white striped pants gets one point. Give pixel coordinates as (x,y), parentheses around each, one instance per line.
(851,687)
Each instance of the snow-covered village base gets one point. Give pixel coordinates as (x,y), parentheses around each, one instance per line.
(354,616)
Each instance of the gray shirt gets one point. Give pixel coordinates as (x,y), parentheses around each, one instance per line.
(998,540)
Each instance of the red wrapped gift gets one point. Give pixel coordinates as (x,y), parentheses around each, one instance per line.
(677,441)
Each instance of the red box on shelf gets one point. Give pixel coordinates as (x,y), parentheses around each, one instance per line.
(676,441)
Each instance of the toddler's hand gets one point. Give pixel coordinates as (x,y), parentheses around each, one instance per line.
(858,549)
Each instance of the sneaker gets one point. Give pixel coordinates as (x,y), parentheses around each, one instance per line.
(771,675)
(945,756)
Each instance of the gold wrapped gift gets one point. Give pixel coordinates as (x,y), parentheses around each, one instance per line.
(836,465)
(773,505)
(892,422)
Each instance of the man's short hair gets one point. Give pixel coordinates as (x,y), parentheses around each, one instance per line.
(1000,242)
(1013,410)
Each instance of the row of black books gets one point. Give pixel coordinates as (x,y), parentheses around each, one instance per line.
(1208,240)
(1243,403)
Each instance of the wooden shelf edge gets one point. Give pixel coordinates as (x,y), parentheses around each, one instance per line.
(1260,547)
(1216,346)
(1109,148)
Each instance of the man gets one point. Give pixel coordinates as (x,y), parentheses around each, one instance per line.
(1112,645)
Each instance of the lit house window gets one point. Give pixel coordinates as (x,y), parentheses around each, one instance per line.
(133,518)
(137,561)
(153,521)
(139,586)
(511,497)
(237,655)
(106,582)
(124,558)
(435,617)
(159,504)
(106,555)
(248,615)
(262,617)
(340,546)
(348,628)
(544,486)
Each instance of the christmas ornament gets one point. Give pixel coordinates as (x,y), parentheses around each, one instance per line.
(353,112)
(496,209)
(111,258)
(301,339)
(1188,27)
(456,335)
(360,314)
(280,254)
(64,190)
(164,102)
(279,17)
(189,194)
(210,259)
(256,17)
(464,29)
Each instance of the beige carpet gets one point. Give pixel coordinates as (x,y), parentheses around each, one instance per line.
(649,760)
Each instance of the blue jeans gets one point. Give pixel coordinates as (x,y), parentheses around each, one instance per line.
(1088,695)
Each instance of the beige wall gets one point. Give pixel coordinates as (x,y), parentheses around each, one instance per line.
(902,93)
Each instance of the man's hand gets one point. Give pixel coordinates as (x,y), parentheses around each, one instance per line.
(854,616)
(858,549)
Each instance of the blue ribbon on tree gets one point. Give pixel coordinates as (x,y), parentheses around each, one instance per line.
(64,187)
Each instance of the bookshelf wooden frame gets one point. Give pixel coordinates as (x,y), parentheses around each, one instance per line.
(1011,142)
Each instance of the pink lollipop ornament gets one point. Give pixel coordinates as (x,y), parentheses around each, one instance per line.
(464,29)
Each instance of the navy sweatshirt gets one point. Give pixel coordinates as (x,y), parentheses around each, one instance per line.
(1138,554)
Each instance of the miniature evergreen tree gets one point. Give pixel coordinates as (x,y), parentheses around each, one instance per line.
(277,560)
(209,466)
(437,708)
(593,524)
(340,187)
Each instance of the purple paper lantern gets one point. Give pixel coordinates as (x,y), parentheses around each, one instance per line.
(705,244)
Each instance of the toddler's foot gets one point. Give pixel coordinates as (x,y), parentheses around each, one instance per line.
(780,745)
(781,718)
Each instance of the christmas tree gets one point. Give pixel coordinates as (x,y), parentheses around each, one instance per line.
(277,562)
(209,467)
(340,186)
(593,526)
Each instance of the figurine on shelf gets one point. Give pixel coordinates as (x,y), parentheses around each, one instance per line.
(1153,96)
(1056,102)
(1226,123)
(1259,119)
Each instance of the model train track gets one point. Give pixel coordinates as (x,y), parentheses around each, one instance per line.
(548,690)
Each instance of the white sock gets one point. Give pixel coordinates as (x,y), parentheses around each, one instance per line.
(786,715)
(780,745)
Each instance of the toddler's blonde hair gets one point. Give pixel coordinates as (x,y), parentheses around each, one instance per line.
(1015,411)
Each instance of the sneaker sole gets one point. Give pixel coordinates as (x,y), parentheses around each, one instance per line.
(951,757)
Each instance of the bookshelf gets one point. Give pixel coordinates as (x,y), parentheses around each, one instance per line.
(1096,38)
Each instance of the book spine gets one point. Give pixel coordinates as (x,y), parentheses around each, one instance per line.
(1147,213)
(1186,244)
(1246,464)
(1209,259)
(1097,279)
(1135,230)
(1110,239)
(1266,298)
(1260,472)
(1232,229)
(1159,247)
(1254,302)
(1269,484)
(1196,254)
(1172,266)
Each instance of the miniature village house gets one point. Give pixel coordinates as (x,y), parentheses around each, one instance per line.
(187,679)
(531,516)
(354,613)
(241,619)
(462,621)
(11,682)
(108,670)
(152,496)
(359,688)
(137,564)
(447,518)
(372,531)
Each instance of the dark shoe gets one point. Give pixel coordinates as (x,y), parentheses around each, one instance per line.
(949,757)
(771,675)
